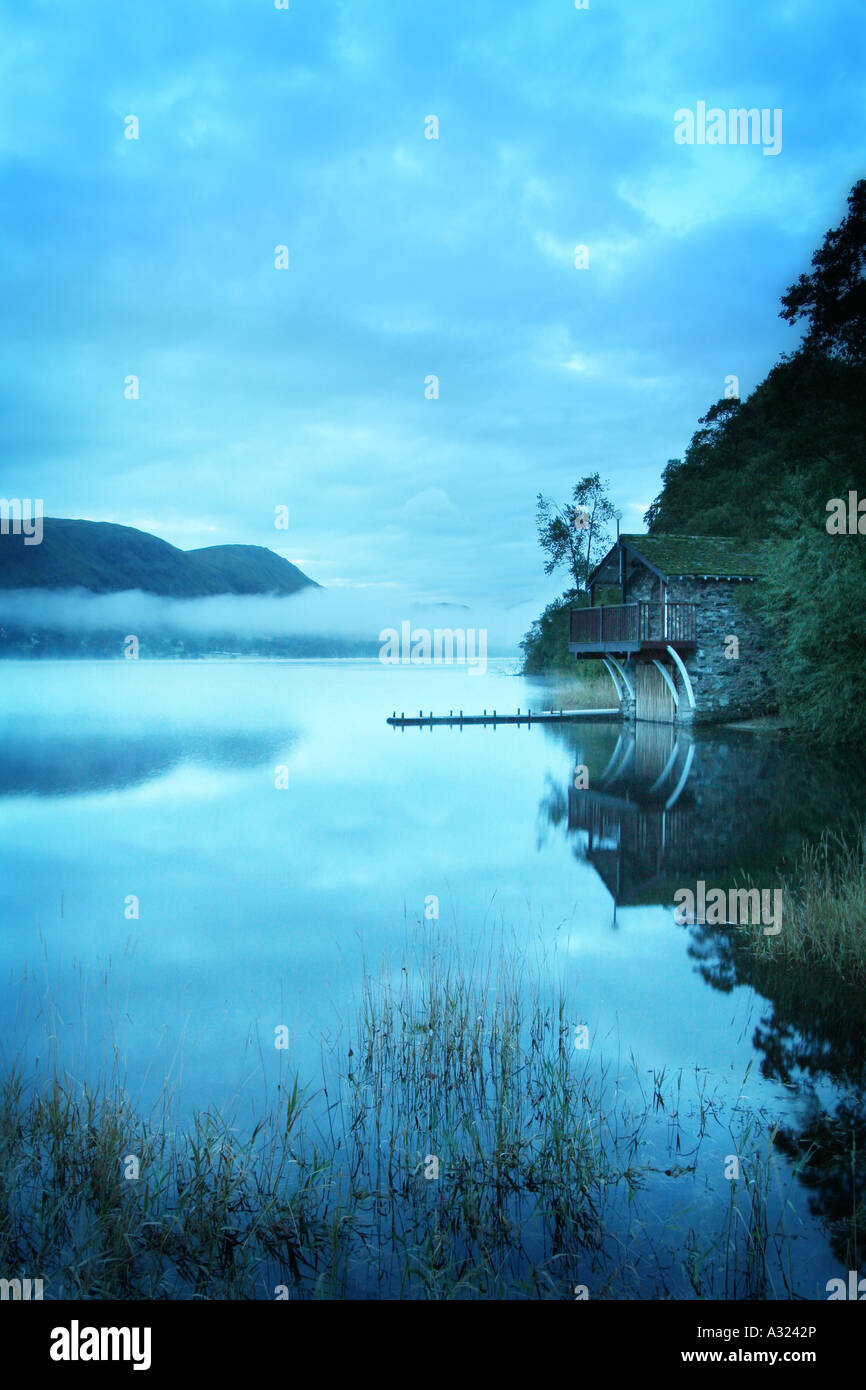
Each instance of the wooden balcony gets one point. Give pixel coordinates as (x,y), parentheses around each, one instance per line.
(632,627)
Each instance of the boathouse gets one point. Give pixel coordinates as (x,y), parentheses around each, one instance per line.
(679,648)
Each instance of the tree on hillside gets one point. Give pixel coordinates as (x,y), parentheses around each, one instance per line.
(766,468)
(811,601)
(577,533)
(718,450)
(805,420)
(832,299)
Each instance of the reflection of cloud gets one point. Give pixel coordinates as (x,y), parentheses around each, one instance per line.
(44,763)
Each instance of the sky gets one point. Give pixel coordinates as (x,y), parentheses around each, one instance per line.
(308,387)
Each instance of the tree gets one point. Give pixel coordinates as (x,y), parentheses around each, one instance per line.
(811,601)
(576,534)
(764,470)
(833,298)
(545,646)
(654,511)
(805,420)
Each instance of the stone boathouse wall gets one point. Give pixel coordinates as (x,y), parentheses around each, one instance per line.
(724,687)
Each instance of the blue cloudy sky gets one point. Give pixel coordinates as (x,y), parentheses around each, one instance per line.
(408,257)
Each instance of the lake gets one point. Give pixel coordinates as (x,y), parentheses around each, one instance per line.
(194,854)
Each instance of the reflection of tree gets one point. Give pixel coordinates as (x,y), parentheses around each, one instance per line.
(811,1032)
(746,810)
(831,1148)
(816,1024)
(552,811)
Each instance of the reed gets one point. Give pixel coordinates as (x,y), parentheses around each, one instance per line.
(457,1145)
(824,909)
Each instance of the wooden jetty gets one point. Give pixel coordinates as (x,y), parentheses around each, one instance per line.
(562,716)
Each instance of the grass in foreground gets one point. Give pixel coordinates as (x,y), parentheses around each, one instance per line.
(458,1147)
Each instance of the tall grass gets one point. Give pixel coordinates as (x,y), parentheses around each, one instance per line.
(585,685)
(456,1145)
(824,909)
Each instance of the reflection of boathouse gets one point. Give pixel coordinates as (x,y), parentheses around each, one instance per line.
(639,812)
(679,647)
(663,806)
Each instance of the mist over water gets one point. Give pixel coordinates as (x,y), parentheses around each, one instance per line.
(357,614)
(258,903)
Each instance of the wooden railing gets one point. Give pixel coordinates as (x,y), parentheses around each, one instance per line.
(667,622)
(633,624)
(617,623)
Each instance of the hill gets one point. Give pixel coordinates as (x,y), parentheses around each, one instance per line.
(106,558)
(775,467)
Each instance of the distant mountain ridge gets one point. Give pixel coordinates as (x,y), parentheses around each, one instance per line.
(107,558)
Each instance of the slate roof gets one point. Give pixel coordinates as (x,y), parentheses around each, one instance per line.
(712,557)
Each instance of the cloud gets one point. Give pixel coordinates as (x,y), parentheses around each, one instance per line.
(408,257)
(432,506)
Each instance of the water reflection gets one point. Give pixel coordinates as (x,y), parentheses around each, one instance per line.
(46,764)
(638,813)
(259,905)
(663,808)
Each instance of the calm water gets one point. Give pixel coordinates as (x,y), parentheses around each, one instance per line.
(256,903)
